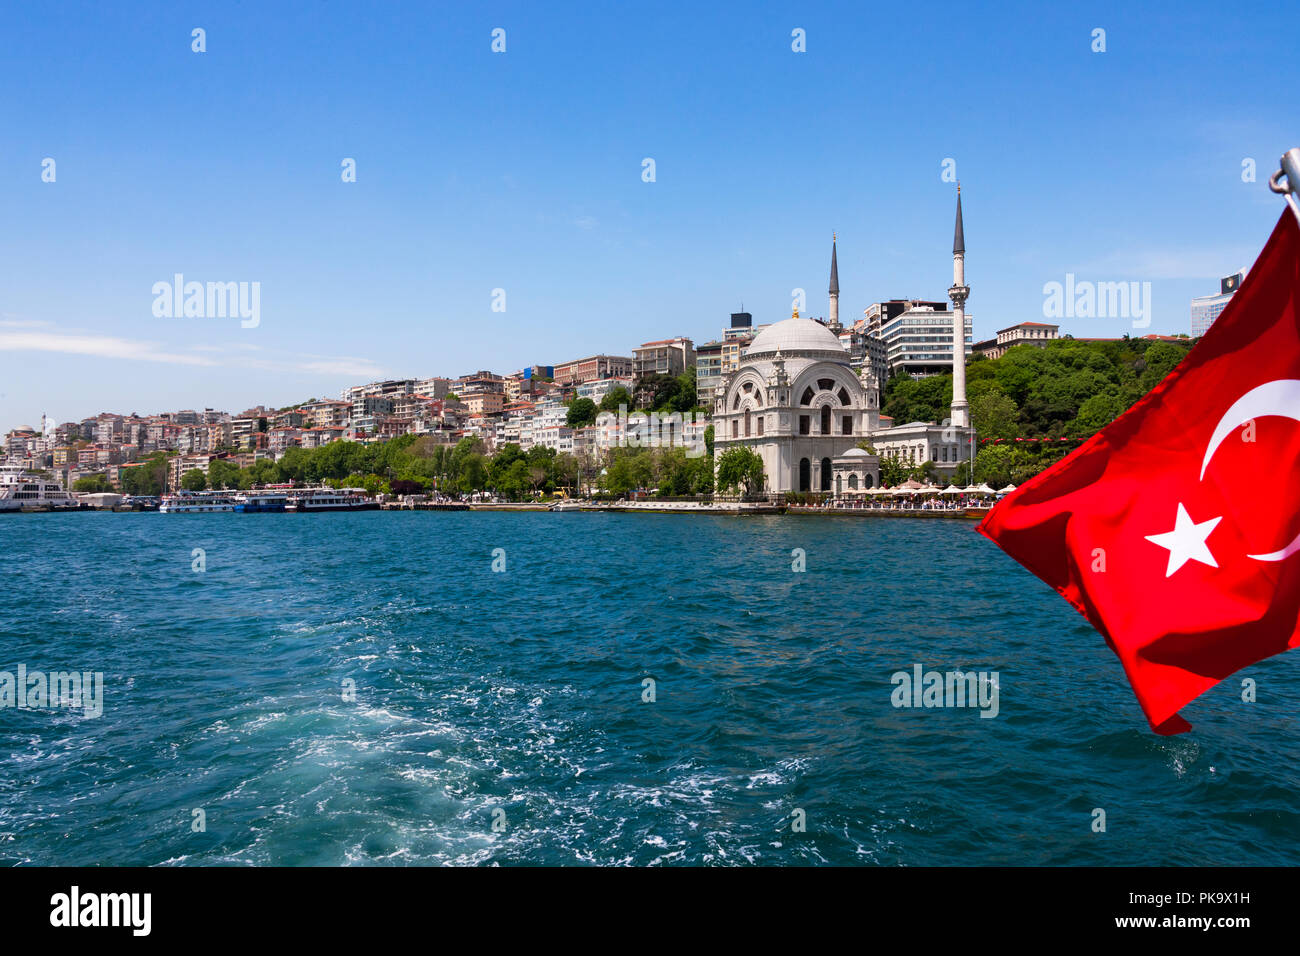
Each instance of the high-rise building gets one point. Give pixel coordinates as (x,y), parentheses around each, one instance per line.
(708,368)
(919,340)
(1206,308)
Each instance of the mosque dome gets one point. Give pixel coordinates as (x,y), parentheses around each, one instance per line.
(794,336)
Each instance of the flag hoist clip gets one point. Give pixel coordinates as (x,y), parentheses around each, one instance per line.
(1290,172)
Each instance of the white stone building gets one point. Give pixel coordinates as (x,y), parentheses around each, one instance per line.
(796,401)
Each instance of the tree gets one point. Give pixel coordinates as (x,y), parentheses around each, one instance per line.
(615,397)
(994,415)
(685,399)
(262,472)
(659,392)
(581,413)
(91,484)
(893,471)
(223,473)
(515,479)
(194,480)
(146,477)
(628,469)
(740,467)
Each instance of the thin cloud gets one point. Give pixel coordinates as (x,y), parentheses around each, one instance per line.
(350,367)
(1161,264)
(24,324)
(99,346)
(111,347)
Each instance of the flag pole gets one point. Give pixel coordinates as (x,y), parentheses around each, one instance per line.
(1290,170)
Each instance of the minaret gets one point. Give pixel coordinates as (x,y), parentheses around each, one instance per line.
(835,291)
(958,293)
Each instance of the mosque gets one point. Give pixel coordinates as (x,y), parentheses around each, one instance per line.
(796,402)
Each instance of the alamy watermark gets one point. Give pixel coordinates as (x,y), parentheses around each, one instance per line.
(657,430)
(37,690)
(1075,299)
(211,300)
(922,688)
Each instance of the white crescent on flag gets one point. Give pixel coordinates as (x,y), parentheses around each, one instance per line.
(1281,398)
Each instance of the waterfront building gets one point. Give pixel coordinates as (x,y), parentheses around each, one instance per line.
(482,404)
(708,367)
(325,413)
(797,402)
(481,381)
(281,439)
(864,348)
(591,369)
(316,437)
(736,338)
(1207,308)
(433,387)
(664,357)
(364,406)
(597,390)
(919,341)
(1037,334)
(389,389)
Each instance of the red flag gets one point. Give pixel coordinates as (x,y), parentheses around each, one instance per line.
(1175,530)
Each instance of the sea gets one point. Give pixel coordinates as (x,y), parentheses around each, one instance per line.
(451,688)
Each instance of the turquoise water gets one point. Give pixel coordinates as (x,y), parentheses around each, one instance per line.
(514,698)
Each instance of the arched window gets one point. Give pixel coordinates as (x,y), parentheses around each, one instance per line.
(826,474)
(826,419)
(868,481)
(853,482)
(805,474)
(747,422)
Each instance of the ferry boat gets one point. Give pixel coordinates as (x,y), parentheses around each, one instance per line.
(196,502)
(20,489)
(329,499)
(262,501)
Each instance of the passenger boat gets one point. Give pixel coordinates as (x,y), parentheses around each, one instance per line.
(262,501)
(329,499)
(20,489)
(196,502)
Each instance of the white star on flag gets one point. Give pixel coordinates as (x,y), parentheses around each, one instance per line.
(1187,541)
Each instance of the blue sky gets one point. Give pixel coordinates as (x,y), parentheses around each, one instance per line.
(522,171)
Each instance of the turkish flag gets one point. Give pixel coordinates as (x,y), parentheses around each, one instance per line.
(1175,530)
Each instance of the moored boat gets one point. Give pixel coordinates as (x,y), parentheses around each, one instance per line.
(330,499)
(20,489)
(262,501)
(197,502)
